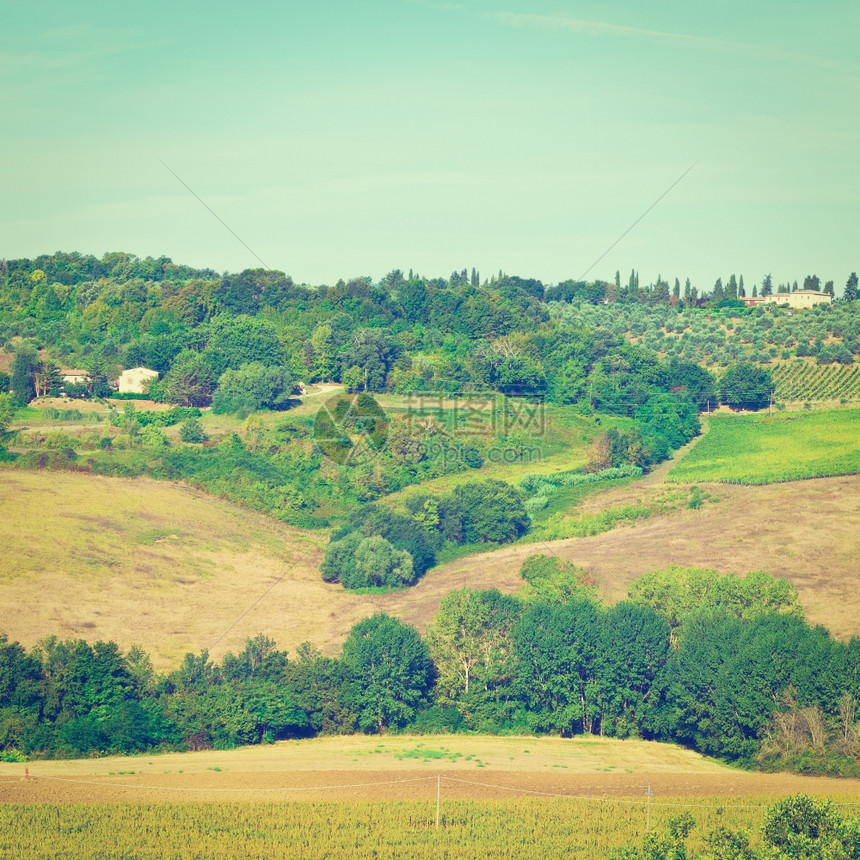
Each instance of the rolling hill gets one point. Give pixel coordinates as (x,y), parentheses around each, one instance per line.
(175,570)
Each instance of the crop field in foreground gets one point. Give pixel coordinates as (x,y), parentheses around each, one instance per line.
(363,797)
(763,449)
(547,827)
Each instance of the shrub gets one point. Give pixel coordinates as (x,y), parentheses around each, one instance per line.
(402,532)
(361,562)
(378,563)
(191,430)
(154,439)
(553,580)
(481,511)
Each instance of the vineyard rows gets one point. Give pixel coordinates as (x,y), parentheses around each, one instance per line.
(798,380)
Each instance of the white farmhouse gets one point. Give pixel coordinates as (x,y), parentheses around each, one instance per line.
(798,299)
(132,381)
(74,377)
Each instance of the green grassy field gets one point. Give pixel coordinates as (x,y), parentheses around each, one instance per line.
(558,440)
(763,449)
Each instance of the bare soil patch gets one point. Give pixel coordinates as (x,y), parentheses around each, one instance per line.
(95,406)
(403,785)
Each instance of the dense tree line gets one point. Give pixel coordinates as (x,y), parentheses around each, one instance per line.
(245,342)
(404,334)
(672,662)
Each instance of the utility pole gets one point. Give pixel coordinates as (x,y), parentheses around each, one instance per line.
(648,795)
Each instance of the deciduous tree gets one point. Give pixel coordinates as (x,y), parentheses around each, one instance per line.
(470,641)
(7,411)
(251,387)
(189,381)
(389,671)
(745,385)
(24,366)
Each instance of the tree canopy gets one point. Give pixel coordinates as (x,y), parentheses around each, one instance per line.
(389,671)
(745,385)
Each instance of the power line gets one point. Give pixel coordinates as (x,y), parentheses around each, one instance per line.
(438,779)
(248,610)
(637,220)
(287,788)
(265,266)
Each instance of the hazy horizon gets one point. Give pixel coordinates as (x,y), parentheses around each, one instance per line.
(346,140)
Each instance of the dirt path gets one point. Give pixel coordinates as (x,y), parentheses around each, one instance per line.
(658,475)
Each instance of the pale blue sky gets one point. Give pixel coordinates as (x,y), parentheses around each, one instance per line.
(341,139)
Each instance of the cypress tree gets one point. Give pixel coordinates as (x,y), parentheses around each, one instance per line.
(24,366)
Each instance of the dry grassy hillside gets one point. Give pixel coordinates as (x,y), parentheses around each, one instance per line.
(174,570)
(140,561)
(806,531)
